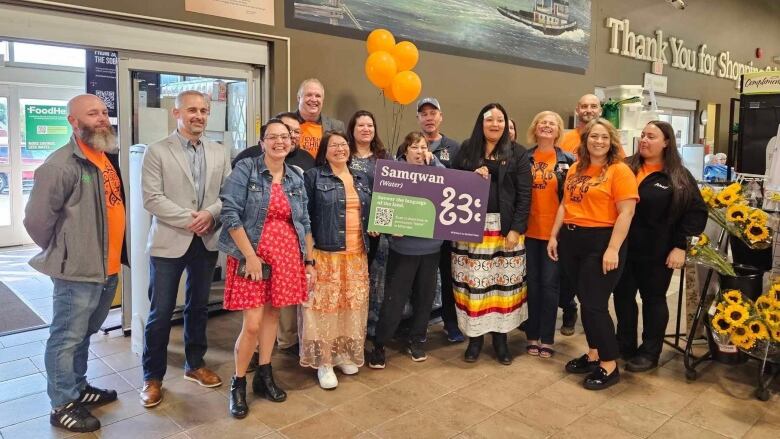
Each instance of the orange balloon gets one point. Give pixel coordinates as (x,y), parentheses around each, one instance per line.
(388,92)
(406,87)
(380,39)
(380,68)
(406,55)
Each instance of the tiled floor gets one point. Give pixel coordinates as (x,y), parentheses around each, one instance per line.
(439,398)
(32,287)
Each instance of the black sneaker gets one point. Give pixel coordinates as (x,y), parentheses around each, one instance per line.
(599,379)
(641,363)
(92,395)
(74,417)
(376,359)
(416,351)
(582,365)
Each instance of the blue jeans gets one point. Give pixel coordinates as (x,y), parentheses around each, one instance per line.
(165,274)
(79,310)
(543,289)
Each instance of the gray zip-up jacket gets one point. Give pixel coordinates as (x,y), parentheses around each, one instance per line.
(66,216)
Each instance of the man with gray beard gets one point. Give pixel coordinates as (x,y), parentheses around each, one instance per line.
(76,214)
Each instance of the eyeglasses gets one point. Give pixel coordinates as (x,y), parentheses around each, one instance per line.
(339,145)
(275,137)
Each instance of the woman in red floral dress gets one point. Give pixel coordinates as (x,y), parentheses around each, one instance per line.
(266,225)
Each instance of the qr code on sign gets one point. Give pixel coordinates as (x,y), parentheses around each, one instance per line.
(384,216)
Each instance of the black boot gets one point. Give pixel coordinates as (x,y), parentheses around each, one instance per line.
(474,348)
(501,348)
(238,406)
(263,384)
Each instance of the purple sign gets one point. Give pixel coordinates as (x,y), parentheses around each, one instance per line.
(101,79)
(428,202)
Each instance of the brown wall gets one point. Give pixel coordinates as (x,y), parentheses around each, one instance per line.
(463,85)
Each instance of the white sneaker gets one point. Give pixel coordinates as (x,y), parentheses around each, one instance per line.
(327,377)
(348,368)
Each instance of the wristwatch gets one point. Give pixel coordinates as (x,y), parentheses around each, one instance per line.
(311,262)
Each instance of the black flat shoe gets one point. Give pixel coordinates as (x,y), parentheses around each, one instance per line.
(641,363)
(582,365)
(474,348)
(600,379)
(238,406)
(501,349)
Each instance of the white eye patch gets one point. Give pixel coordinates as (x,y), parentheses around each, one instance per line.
(486,114)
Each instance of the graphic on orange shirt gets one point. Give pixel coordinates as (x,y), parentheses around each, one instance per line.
(590,199)
(311,134)
(544,195)
(542,173)
(115,206)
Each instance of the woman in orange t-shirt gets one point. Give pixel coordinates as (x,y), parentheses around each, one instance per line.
(599,198)
(549,165)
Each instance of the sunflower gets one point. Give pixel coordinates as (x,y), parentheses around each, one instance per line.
(775,333)
(737,213)
(743,341)
(720,324)
(774,292)
(764,303)
(734,188)
(756,232)
(725,198)
(758,216)
(758,329)
(736,314)
(707,194)
(732,297)
(693,251)
(721,307)
(703,240)
(772,317)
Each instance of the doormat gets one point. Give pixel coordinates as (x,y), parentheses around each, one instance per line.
(15,315)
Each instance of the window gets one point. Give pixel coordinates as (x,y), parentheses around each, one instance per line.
(51,55)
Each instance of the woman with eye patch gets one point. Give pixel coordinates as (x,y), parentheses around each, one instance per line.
(600,194)
(266,235)
(333,321)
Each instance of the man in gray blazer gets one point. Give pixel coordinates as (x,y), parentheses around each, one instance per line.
(181,179)
(311,98)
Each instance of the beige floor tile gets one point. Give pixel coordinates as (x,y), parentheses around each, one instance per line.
(629,417)
(126,406)
(324,425)
(112,382)
(494,392)
(97,368)
(17,369)
(588,427)
(373,409)
(25,337)
(21,351)
(376,378)
(675,429)
(456,411)
(762,430)
(454,374)
(273,435)
(734,421)
(23,386)
(178,390)
(151,425)
(349,389)
(198,409)
(542,414)
(122,360)
(40,428)
(405,362)
(501,426)
(573,396)
(104,346)
(656,398)
(229,428)
(278,415)
(413,426)
(23,409)
(416,390)
(39,362)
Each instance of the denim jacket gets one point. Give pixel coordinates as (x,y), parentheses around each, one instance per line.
(328,206)
(245,196)
(564,160)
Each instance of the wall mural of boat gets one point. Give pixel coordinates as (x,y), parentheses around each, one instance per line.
(548,16)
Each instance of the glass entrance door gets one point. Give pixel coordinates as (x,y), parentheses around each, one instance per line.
(33,124)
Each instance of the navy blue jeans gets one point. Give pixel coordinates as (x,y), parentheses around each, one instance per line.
(164,278)
(543,279)
(79,310)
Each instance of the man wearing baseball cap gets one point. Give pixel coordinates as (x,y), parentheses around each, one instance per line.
(429,116)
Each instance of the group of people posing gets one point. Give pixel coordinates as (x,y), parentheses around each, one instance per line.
(569,217)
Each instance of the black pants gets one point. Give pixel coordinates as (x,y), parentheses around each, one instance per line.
(448,315)
(580,252)
(373,246)
(407,277)
(567,303)
(652,279)
(543,278)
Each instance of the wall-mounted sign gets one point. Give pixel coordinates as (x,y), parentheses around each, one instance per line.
(761,83)
(673,51)
(656,82)
(46,126)
(101,78)
(256,11)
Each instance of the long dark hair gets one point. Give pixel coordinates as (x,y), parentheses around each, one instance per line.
(614,155)
(682,189)
(320,159)
(472,154)
(377,146)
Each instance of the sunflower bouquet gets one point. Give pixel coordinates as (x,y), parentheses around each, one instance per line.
(749,325)
(728,207)
(702,252)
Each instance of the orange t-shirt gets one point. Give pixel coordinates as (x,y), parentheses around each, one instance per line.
(544,195)
(646,170)
(571,141)
(311,134)
(115,206)
(589,201)
(354,235)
